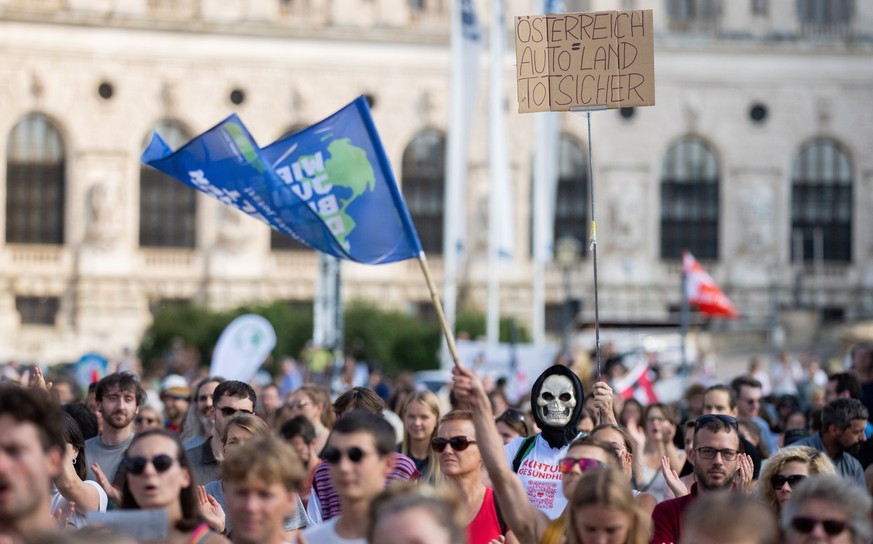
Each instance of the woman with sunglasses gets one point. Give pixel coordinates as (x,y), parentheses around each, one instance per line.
(786,469)
(528,523)
(147,418)
(420,413)
(827,509)
(158,477)
(461,463)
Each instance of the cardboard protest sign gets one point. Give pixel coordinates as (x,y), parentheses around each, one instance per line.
(585,60)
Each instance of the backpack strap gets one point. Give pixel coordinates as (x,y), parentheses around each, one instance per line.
(523,449)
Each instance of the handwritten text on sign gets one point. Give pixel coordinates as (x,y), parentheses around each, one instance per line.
(585,60)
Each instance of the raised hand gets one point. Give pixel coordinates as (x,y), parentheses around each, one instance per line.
(672,478)
(210,509)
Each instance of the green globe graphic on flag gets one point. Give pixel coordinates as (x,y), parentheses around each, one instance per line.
(348,167)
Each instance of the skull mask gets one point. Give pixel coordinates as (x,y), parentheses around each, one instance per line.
(556,401)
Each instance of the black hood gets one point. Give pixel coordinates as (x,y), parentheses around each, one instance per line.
(558,437)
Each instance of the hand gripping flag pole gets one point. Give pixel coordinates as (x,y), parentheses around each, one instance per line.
(329,186)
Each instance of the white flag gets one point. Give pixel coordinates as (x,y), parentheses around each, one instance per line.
(242,348)
(466,47)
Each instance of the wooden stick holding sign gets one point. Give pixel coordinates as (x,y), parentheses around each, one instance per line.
(584,62)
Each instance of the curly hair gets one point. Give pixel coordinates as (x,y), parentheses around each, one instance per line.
(817,462)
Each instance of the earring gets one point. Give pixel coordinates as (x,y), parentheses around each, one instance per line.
(74,461)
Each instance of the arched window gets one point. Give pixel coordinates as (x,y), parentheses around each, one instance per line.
(424,187)
(279,241)
(167,208)
(35,183)
(571,203)
(689,200)
(821,201)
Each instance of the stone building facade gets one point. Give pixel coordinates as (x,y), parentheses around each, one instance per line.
(756,156)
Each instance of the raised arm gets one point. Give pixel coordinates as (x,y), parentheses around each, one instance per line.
(526,522)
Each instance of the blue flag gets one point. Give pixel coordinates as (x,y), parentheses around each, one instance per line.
(329,186)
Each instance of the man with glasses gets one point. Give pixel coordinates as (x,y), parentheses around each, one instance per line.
(360,455)
(720,399)
(715,458)
(229,398)
(843,426)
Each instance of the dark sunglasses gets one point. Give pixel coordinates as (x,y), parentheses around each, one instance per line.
(227,411)
(777,481)
(709,418)
(136,465)
(806,525)
(567,463)
(458,443)
(149,420)
(333,455)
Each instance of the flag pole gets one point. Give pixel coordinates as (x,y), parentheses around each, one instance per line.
(435,298)
(684,315)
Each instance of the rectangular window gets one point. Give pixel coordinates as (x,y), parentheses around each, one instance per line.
(760,7)
(37,310)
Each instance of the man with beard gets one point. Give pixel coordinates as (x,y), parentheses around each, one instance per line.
(118,398)
(843,425)
(715,459)
(557,401)
(31,453)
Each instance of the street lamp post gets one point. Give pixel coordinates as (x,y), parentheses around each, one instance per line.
(567,252)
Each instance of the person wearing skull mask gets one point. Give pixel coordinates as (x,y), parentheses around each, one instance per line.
(557,404)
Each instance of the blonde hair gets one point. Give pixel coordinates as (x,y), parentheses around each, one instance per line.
(276,461)
(248,422)
(816,461)
(428,399)
(607,487)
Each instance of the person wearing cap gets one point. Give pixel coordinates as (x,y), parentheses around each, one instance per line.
(176,395)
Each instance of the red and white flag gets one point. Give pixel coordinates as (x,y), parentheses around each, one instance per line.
(637,383)
(701,290)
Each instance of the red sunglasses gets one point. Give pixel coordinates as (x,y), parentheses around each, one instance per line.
(567,463)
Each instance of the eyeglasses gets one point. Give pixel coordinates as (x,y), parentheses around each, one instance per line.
(333,455)
(148,420)
(136,465)
(567,463)
(709,418)
(298,404)
(777,481)
(458,443)
(709,453)
(806,525)
(227,411)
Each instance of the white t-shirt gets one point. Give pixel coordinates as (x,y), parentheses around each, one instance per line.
(77,520)
(326,534)
(540,475)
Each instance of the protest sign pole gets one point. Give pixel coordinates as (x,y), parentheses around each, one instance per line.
(435,298)
(593,236)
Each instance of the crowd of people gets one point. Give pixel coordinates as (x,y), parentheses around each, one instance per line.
(201,459)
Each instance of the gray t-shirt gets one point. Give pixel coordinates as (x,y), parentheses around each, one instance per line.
(297,520)
(108,457)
